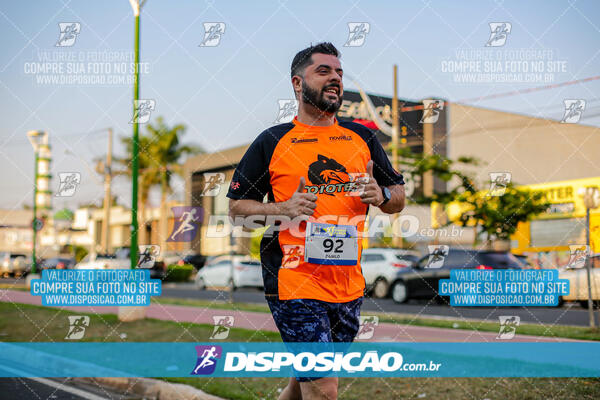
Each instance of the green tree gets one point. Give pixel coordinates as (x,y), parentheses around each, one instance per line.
(497,217)
(494,217)
(441,167)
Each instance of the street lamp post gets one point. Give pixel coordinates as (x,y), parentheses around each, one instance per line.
(132,313)
(591,199)
(136,5)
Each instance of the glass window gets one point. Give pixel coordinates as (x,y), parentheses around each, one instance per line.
(407,257)
(460,259)
(221,201)
(500,260)
(557,232)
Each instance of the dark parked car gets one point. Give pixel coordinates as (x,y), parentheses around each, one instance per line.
(197,260)
(58,263)
(157,269)
(421,282)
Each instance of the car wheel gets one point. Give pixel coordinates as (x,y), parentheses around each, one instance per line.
(584,304)
(200,284)
(381,288)
(399,292)
(561,301)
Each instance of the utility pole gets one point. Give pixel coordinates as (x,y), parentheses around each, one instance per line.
(107,196)
(588,267)
(395,121)
(427,151)
(396,239)
(591,199)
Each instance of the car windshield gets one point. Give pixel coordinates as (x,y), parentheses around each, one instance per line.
(251,263)
(501,260)
(407,257)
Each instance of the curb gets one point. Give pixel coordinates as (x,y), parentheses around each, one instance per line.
(150,388)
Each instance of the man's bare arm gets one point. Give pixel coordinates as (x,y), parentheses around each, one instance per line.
(397,202)
(373,194)
(299,204)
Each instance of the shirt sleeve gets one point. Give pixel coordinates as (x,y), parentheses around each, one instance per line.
(251,179)
(384,173)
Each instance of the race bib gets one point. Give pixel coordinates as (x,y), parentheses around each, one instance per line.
(331,244)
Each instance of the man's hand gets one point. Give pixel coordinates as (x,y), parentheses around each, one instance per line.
(300,204)
(372,192)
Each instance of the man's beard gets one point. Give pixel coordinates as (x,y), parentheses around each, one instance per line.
(317,99)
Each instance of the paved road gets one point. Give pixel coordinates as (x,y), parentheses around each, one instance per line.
(567,315)
(55,389)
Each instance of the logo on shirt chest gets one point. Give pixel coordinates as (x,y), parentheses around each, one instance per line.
(329,176)
(346,138)
(304,140)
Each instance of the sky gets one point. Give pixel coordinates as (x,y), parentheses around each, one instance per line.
(228,93)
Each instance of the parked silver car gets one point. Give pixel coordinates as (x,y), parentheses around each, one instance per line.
(15,264)
(247,272)
(381,265)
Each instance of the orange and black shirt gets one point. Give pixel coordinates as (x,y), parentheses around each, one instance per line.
(327,157)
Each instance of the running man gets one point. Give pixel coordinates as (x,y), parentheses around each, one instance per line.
(305,169)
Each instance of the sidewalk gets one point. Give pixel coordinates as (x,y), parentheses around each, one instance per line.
(384,332)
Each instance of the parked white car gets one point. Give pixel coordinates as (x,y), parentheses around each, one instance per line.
(578,283)
(380,267)
(247,272)
(103,261)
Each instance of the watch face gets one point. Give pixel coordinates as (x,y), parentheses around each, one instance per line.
(387,195)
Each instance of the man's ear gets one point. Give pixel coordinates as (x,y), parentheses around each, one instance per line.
(297,84)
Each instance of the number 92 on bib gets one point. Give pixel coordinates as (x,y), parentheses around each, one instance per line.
(331,244)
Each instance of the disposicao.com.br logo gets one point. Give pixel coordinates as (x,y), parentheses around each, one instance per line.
(316,363)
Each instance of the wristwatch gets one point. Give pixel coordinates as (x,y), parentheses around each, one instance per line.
(387,195)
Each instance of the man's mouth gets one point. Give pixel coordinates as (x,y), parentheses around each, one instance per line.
(332,90)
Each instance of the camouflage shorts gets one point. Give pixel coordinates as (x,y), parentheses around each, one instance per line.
(307,320)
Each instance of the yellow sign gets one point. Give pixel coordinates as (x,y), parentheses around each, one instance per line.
(564,196)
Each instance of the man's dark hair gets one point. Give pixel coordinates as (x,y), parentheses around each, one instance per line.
(304,57)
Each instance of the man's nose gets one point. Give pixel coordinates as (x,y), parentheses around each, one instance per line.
(335,78)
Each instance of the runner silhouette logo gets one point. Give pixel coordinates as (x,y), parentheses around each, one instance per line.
(207,359)
(186,222)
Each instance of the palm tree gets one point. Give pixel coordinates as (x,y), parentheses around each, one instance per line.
(147,178)
(165,153)
(159,158)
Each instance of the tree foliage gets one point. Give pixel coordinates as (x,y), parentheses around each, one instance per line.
(495,217)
